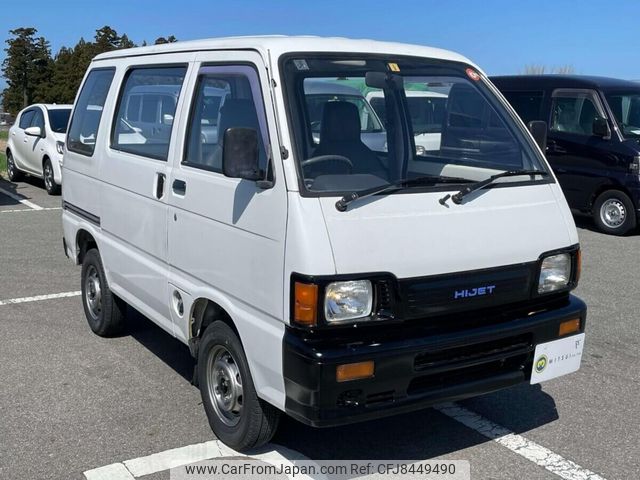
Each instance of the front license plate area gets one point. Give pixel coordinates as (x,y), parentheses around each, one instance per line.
(557,358)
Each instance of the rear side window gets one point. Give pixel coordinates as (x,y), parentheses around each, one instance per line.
(146,110)
(225,97)
(83,130)
(526,103)
(25,119)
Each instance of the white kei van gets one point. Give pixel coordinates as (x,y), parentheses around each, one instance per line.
(326,280)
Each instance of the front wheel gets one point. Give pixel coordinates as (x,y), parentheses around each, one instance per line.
(49,182)
(236,415)
(614,213)
(13,173)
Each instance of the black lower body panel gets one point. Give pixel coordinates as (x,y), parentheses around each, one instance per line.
(416,371)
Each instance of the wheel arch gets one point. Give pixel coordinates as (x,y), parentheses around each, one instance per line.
(605,187)
(204,312)
(85,241)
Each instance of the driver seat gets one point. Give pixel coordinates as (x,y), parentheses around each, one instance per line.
(340,135)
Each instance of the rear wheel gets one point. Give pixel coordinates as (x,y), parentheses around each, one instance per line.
(49,182)
(13,173)
(236,415)
(104,311)
(614,213)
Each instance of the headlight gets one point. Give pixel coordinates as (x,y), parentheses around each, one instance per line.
(60,147)
(555,273)
(348,300)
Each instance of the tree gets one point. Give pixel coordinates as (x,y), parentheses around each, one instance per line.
(27,69)
(542,69)
(162,40)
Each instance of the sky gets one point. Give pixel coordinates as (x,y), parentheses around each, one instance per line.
(502,37)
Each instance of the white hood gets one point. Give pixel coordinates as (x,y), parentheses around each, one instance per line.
(412,234)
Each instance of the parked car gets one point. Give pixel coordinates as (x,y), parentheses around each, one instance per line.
(593,140)
(427,110)
(36,144)
(310,274)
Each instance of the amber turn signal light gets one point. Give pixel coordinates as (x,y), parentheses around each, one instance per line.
(569,326)
(306,304)
(354,371)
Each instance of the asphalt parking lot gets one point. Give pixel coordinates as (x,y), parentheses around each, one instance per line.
(72,402)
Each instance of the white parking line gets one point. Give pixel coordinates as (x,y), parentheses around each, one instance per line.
(20,199)
(41,209)
(39,298)
(176,457)
(538,454)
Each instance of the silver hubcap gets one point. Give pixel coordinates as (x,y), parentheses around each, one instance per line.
(225,385)
(613,213)
(93,292)
(48,176)
(10,166)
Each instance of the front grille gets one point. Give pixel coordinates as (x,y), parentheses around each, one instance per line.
(465,291)
(458,365)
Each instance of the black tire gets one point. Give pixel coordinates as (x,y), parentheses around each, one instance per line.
(257,420)
(106,316)
(47,175)
(614,213)
(13,173)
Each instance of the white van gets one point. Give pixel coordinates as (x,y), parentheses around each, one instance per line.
(332,282)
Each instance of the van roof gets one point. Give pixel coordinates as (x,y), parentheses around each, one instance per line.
(280,44)
(560,81)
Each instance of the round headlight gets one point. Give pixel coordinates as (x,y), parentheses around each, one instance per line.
(344,301)
(555,273)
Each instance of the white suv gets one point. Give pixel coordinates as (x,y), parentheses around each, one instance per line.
(36,144)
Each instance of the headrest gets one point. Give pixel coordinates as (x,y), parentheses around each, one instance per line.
(340,122)
(237,112)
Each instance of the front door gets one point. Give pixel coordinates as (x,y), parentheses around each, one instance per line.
(577,156)
(226,236)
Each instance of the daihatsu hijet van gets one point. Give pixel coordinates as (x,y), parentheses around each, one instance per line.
(327,280)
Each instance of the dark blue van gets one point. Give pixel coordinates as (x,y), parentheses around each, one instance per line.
(593,142)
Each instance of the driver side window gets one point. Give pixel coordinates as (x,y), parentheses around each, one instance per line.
(574,112)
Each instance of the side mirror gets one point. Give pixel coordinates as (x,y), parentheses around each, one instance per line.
(601,127)
(240,154)
(538,130)
(167,119)
(33,131)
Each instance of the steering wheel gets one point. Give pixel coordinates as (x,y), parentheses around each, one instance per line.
(325,159)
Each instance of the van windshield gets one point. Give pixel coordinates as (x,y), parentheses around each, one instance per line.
(437,119)
(625,106)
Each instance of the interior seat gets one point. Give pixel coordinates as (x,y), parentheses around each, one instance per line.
(340,135)
(235,112)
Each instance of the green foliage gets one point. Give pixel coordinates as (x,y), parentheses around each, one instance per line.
(33,75)
(3,163)
(27,69)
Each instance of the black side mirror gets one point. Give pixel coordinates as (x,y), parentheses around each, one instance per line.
(538,130)
(601,127)
(240,154)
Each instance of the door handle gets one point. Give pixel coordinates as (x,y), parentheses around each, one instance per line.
(160,178)
(179,187)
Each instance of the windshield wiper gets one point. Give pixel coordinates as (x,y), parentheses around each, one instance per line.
(457,197)
(341,205)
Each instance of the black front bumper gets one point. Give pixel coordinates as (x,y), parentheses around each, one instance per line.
(414,369)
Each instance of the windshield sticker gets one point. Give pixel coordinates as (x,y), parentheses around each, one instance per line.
(301,64)
(472,74)
(393,67)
